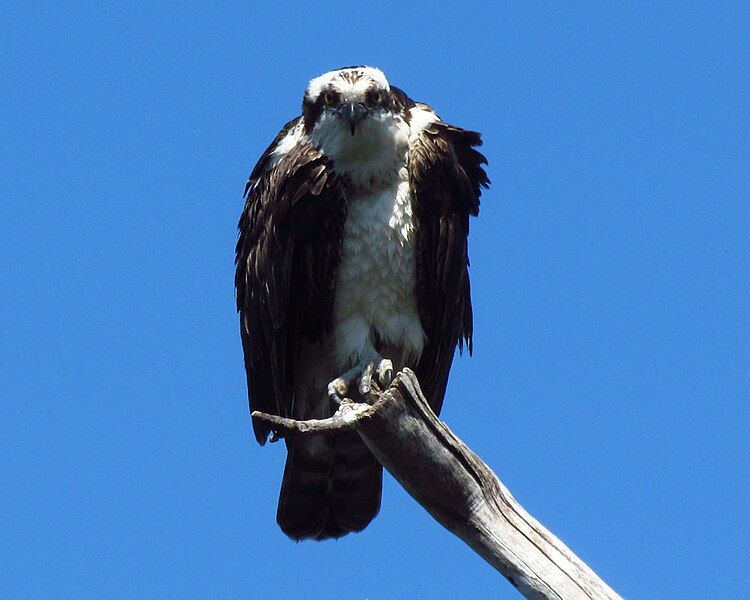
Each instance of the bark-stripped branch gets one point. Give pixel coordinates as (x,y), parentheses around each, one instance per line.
(458,489)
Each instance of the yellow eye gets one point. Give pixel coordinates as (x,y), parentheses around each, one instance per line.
(328,98)
(375,97)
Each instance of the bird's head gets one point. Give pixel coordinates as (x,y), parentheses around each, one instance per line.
(352,95)
(355,116)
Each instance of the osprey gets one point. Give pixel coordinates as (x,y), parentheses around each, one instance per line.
(352,253)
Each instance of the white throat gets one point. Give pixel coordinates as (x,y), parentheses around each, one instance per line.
(374,154)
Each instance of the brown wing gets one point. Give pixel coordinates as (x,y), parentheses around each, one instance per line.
(286,258)
(447,178)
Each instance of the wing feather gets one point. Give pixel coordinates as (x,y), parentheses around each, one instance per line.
(446,177)
(286,257)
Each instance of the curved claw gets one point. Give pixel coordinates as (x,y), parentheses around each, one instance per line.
(385,373)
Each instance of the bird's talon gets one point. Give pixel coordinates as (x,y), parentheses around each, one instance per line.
(365,381)
(385,373)
(339,387)
(337,390)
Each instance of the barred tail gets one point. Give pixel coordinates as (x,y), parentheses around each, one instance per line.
(331,487)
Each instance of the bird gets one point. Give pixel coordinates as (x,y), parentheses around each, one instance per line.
(352,263)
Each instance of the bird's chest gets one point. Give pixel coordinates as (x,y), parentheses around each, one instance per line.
(376,276)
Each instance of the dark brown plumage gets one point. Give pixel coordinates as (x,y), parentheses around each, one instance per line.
(446,177)
(286,256)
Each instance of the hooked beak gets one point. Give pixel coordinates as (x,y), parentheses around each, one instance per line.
(352,113)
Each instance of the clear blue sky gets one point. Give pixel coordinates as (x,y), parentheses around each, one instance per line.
(609,387)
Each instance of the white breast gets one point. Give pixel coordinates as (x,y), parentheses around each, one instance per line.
(376,280)
(375,292)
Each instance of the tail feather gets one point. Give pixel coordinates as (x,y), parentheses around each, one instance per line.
(357,481)
(332,486)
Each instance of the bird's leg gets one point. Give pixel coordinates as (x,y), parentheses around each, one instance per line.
(339,387)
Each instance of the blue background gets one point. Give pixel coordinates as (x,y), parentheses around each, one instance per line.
(609,387)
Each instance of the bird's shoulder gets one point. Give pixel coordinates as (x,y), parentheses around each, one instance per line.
(290,145)
(440,152)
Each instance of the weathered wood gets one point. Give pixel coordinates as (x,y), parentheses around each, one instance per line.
(458,489)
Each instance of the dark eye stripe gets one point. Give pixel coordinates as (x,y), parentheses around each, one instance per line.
(330,97)
(375,97)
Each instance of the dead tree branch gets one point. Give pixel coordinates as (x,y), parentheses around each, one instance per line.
(458,489)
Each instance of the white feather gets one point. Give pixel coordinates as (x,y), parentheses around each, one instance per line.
(375,291)
(376,279)
(421,116)
(370,74)
(374,154)
(289,141)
